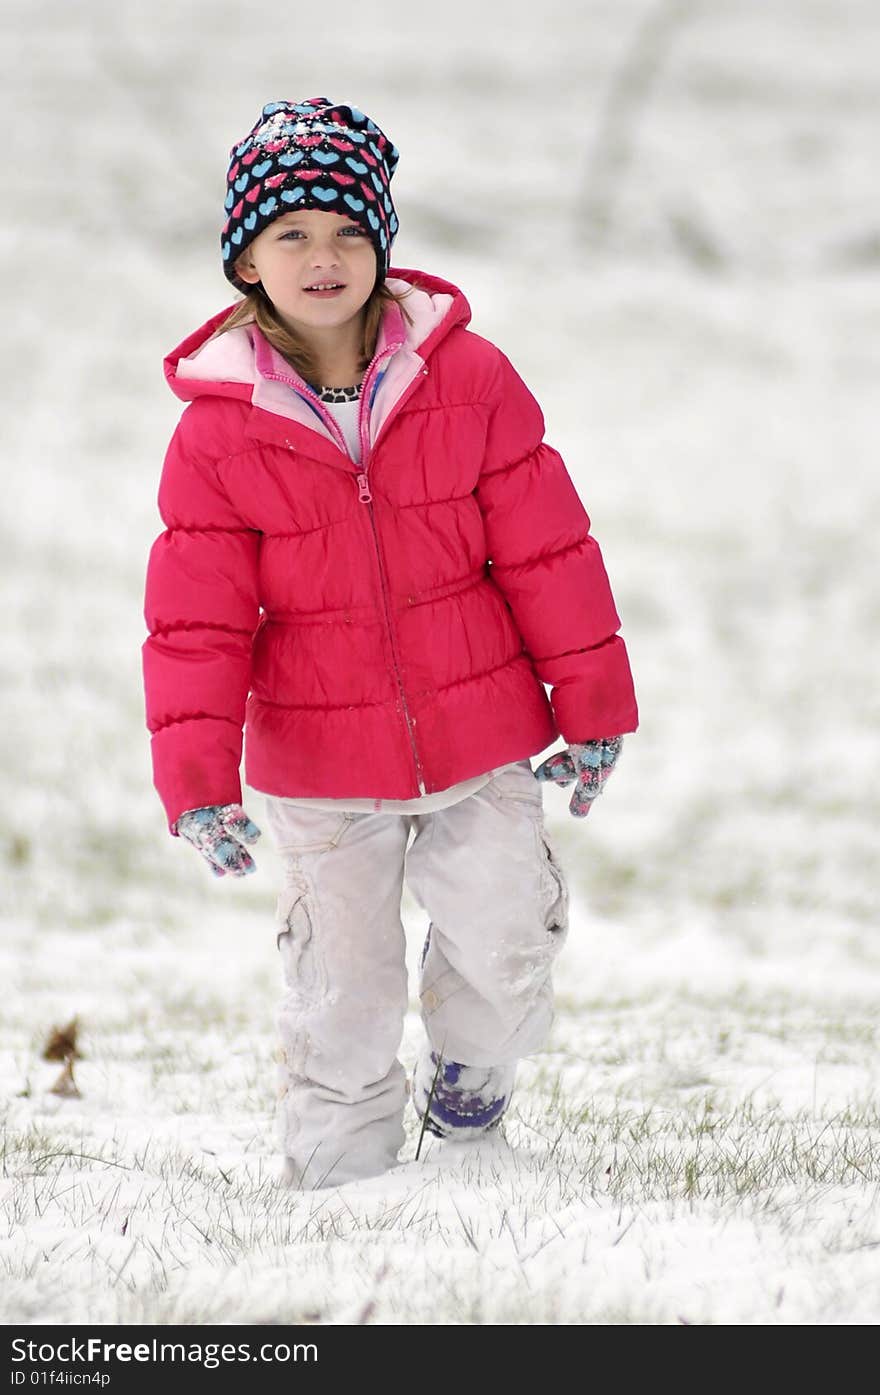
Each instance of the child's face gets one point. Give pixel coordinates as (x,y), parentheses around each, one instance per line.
(302,248)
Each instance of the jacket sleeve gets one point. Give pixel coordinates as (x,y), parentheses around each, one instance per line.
(549,568)
(201,609)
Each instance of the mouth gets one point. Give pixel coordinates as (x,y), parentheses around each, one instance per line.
(320,289)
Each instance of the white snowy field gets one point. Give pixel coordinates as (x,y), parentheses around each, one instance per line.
(700,1141)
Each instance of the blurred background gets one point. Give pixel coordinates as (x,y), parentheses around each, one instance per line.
(668,216)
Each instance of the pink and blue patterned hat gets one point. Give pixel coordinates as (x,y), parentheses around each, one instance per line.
(311,154)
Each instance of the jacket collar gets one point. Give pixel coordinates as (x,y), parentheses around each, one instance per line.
(242,365)
(227,366)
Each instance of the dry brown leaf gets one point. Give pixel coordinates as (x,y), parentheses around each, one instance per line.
(61,1042)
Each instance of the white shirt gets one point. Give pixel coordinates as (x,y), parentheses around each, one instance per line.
(346,413)
(422,804)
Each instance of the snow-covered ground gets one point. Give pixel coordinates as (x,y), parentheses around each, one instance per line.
(700,1142)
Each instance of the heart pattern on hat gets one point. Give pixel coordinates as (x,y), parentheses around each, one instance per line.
(311,154)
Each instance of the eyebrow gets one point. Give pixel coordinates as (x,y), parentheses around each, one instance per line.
(300,213)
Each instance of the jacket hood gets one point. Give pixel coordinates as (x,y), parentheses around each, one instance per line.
(242,364)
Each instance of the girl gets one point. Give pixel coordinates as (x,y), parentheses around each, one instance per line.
(372,558)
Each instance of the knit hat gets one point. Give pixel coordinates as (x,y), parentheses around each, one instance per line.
(311,154)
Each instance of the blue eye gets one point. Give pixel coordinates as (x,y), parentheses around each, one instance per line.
(349,228)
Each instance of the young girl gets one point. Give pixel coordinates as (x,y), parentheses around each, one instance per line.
(372,558)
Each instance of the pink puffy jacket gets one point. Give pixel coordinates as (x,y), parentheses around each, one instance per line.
(383,628)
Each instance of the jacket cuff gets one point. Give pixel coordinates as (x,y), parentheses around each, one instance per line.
(196,764)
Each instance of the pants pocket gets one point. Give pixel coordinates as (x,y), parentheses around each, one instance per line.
(556,891)
(298,829)
(295,933)
(517,785)
(304,978)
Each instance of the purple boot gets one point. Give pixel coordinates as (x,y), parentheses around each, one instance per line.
(468,1101)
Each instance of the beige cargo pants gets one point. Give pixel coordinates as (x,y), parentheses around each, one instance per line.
(497,899)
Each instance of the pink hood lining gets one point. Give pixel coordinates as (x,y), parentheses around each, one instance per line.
(244,356)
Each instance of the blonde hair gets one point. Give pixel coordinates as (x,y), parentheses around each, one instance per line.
(257,308)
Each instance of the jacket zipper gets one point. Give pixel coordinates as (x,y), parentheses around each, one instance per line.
(325,416)
(365,497)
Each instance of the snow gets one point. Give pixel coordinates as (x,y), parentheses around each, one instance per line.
(698,1142)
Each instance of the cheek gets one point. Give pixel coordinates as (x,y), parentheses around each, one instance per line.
(285,256)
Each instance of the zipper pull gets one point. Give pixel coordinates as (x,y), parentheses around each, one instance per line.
(364,487)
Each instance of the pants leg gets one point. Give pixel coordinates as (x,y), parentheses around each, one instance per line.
(341,939)
(486,872)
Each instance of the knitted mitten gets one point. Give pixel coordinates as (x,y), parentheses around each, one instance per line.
(589,764)
(215,831)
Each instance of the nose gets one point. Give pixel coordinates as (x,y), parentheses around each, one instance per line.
(324,250)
